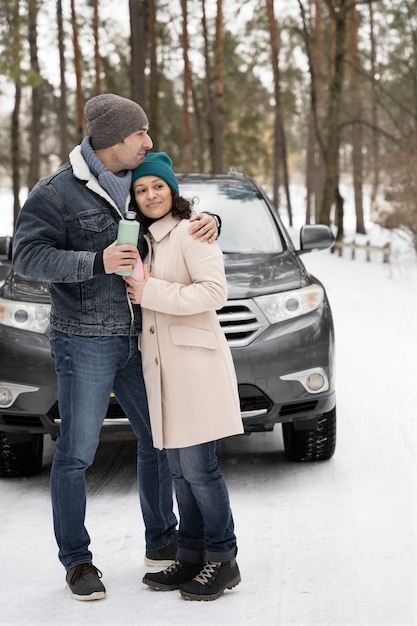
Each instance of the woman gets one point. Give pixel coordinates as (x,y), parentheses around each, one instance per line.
(190,380)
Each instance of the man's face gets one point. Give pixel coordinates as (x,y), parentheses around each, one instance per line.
(131,152)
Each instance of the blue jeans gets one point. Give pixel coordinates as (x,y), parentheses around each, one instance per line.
(88,370)
(206,531)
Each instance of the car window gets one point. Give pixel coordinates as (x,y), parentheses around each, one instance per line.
(247,224)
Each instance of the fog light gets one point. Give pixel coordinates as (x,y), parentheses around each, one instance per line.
(315,381)
(10,391)
(6,396)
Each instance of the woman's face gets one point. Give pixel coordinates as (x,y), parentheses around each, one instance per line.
(153,196)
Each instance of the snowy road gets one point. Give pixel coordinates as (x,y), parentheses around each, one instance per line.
(332,543)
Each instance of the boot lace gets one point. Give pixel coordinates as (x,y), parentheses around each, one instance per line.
(209,570)
(174,567)
(82,570)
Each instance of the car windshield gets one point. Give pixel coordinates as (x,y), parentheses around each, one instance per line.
(247,224)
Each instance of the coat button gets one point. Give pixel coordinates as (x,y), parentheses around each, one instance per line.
(152,329)
(156,361)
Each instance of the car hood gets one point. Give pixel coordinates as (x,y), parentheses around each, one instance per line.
(248,275)
(251,275)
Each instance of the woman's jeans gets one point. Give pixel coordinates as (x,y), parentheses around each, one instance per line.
(88,370)
(206,531)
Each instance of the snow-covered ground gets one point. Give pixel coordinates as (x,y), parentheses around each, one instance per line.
(330,543)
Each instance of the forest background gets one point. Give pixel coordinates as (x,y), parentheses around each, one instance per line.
(318,91)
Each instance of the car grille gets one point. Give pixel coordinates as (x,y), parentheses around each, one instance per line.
(241,321)
(21,420)
(253,401)
(299,407)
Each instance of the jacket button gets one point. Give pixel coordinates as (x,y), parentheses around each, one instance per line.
(156,361)
(152,329)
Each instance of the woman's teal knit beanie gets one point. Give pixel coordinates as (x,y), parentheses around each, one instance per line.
(157,164)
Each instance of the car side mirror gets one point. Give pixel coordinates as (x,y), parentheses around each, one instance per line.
(315,237)
(5,248)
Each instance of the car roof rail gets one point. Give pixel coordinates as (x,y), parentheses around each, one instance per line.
(234,171)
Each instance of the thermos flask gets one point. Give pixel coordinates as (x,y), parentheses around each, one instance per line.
(128,233)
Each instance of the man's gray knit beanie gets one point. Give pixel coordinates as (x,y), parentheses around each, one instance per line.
(111,118)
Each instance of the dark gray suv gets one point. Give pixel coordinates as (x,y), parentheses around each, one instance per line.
(277,321)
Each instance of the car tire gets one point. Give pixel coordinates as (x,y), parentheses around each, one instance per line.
(316,444)
(20,456)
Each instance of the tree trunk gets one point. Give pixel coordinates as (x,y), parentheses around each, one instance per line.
(319,53)
(310,166)
(16,154)
(339,203)
(80,127)
(13,22)
(313,32)
(332,142)
(63,106)
(97,57)
(354,74)
(186,139)
(375,122)
(280,150)
(153,104)
(211,117)
(218,135)
(327,128)
(34,173)
(139,16)
(199,129)
(274,45)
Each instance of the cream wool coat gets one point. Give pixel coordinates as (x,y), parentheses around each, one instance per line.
(187,364)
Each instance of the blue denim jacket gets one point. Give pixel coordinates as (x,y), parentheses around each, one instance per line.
(66,218)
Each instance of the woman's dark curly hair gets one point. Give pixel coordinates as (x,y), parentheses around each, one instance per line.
(181,207)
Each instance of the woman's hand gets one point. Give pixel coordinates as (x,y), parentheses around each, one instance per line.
(135,288)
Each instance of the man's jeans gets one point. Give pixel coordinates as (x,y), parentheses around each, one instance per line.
(206,523)
(88,370)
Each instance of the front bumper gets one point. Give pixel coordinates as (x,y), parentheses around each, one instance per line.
(268,373)
(272,371)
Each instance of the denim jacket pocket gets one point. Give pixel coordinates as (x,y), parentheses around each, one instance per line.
(97,228)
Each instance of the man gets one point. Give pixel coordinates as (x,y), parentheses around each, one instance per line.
(66,235)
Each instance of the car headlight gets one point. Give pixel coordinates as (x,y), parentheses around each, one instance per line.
(278,307)
(25,315)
